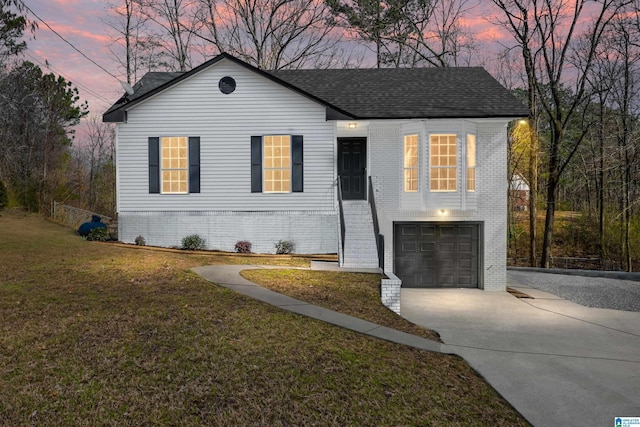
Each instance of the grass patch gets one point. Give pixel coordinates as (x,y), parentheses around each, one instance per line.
(94,334)
(355,294)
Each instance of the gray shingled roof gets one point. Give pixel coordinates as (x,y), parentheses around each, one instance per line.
(389,93)
(409,92)
(146,84)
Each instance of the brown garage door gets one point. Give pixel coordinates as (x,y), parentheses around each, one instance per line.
(437,254)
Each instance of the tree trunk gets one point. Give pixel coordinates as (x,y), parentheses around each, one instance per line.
(545,258)
(533,191)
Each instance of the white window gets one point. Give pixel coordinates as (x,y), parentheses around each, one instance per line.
(411,163)
(471,162)
(175,165)
(443,161)
(277,164)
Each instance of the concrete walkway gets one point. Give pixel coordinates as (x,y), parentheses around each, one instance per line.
(228,276)
(556,362)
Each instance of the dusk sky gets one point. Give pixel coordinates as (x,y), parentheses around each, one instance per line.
(81,23)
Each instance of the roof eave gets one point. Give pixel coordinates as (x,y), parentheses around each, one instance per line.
(116,116)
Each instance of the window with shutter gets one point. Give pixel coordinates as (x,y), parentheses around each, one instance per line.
(277,164)
(174,165)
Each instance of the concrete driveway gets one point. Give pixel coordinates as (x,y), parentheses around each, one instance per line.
(557,362)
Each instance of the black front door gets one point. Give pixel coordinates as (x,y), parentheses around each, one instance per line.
(352,160)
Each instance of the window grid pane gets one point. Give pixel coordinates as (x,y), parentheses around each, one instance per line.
(411,163)
(471,163)
(277,164)
(175,165)
(443,160)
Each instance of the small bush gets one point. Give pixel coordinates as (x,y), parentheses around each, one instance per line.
(193,243)
(4,197)
(140,241)
(243,247)
(284,247)
(99,234)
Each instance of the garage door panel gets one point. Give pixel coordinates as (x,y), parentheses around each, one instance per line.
(464,247)
(409,247)
(446,263)
(409,230)
(447,247)
(465,264)
(428,247)
(427,230)
(466,231)
(464,281)
(426,280)
(437,255)
(428,263)
(446,280)
(446,230)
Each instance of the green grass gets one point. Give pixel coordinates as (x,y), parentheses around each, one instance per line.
(355,294)
(94,334)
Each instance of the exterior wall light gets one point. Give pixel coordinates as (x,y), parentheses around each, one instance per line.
(442,212)
(352,125)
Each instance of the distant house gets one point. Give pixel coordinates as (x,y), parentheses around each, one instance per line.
(519,192)
(231,152)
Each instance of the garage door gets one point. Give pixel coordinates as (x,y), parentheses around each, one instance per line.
(437,254)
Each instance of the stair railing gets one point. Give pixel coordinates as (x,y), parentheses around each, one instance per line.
(342,226)
(376,227)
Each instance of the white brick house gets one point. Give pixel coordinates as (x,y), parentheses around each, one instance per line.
(234,153)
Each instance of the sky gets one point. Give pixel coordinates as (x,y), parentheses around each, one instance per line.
(81,22)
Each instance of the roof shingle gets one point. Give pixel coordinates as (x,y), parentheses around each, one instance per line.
(388,93)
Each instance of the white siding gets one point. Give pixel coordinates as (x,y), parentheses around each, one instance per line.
(225,124)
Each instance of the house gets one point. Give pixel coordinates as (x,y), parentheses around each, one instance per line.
(406,163)
(519,192)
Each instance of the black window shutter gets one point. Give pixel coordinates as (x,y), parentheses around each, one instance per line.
(256,164)
(154,165)
(194,164)
(297,172)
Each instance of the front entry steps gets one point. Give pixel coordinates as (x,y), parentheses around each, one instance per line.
(359,241)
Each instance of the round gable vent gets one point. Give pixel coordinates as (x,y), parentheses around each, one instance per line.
(227,85)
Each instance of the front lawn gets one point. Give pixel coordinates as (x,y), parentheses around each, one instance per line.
(355,294)
(93,334)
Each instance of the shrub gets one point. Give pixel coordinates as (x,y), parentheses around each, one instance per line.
(243,247)
(99,234)
(140,241)
(4,197)
(193,243)
(284,247)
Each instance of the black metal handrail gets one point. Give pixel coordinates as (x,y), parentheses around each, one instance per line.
(376,226)
(342,226)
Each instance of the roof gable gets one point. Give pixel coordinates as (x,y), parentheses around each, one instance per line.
(398,93)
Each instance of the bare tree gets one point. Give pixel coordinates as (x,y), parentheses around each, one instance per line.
(272,34)
(430,33)
(408,32)
(519,22)
(176,23)
(624,53)
(131,29)
(547,31)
